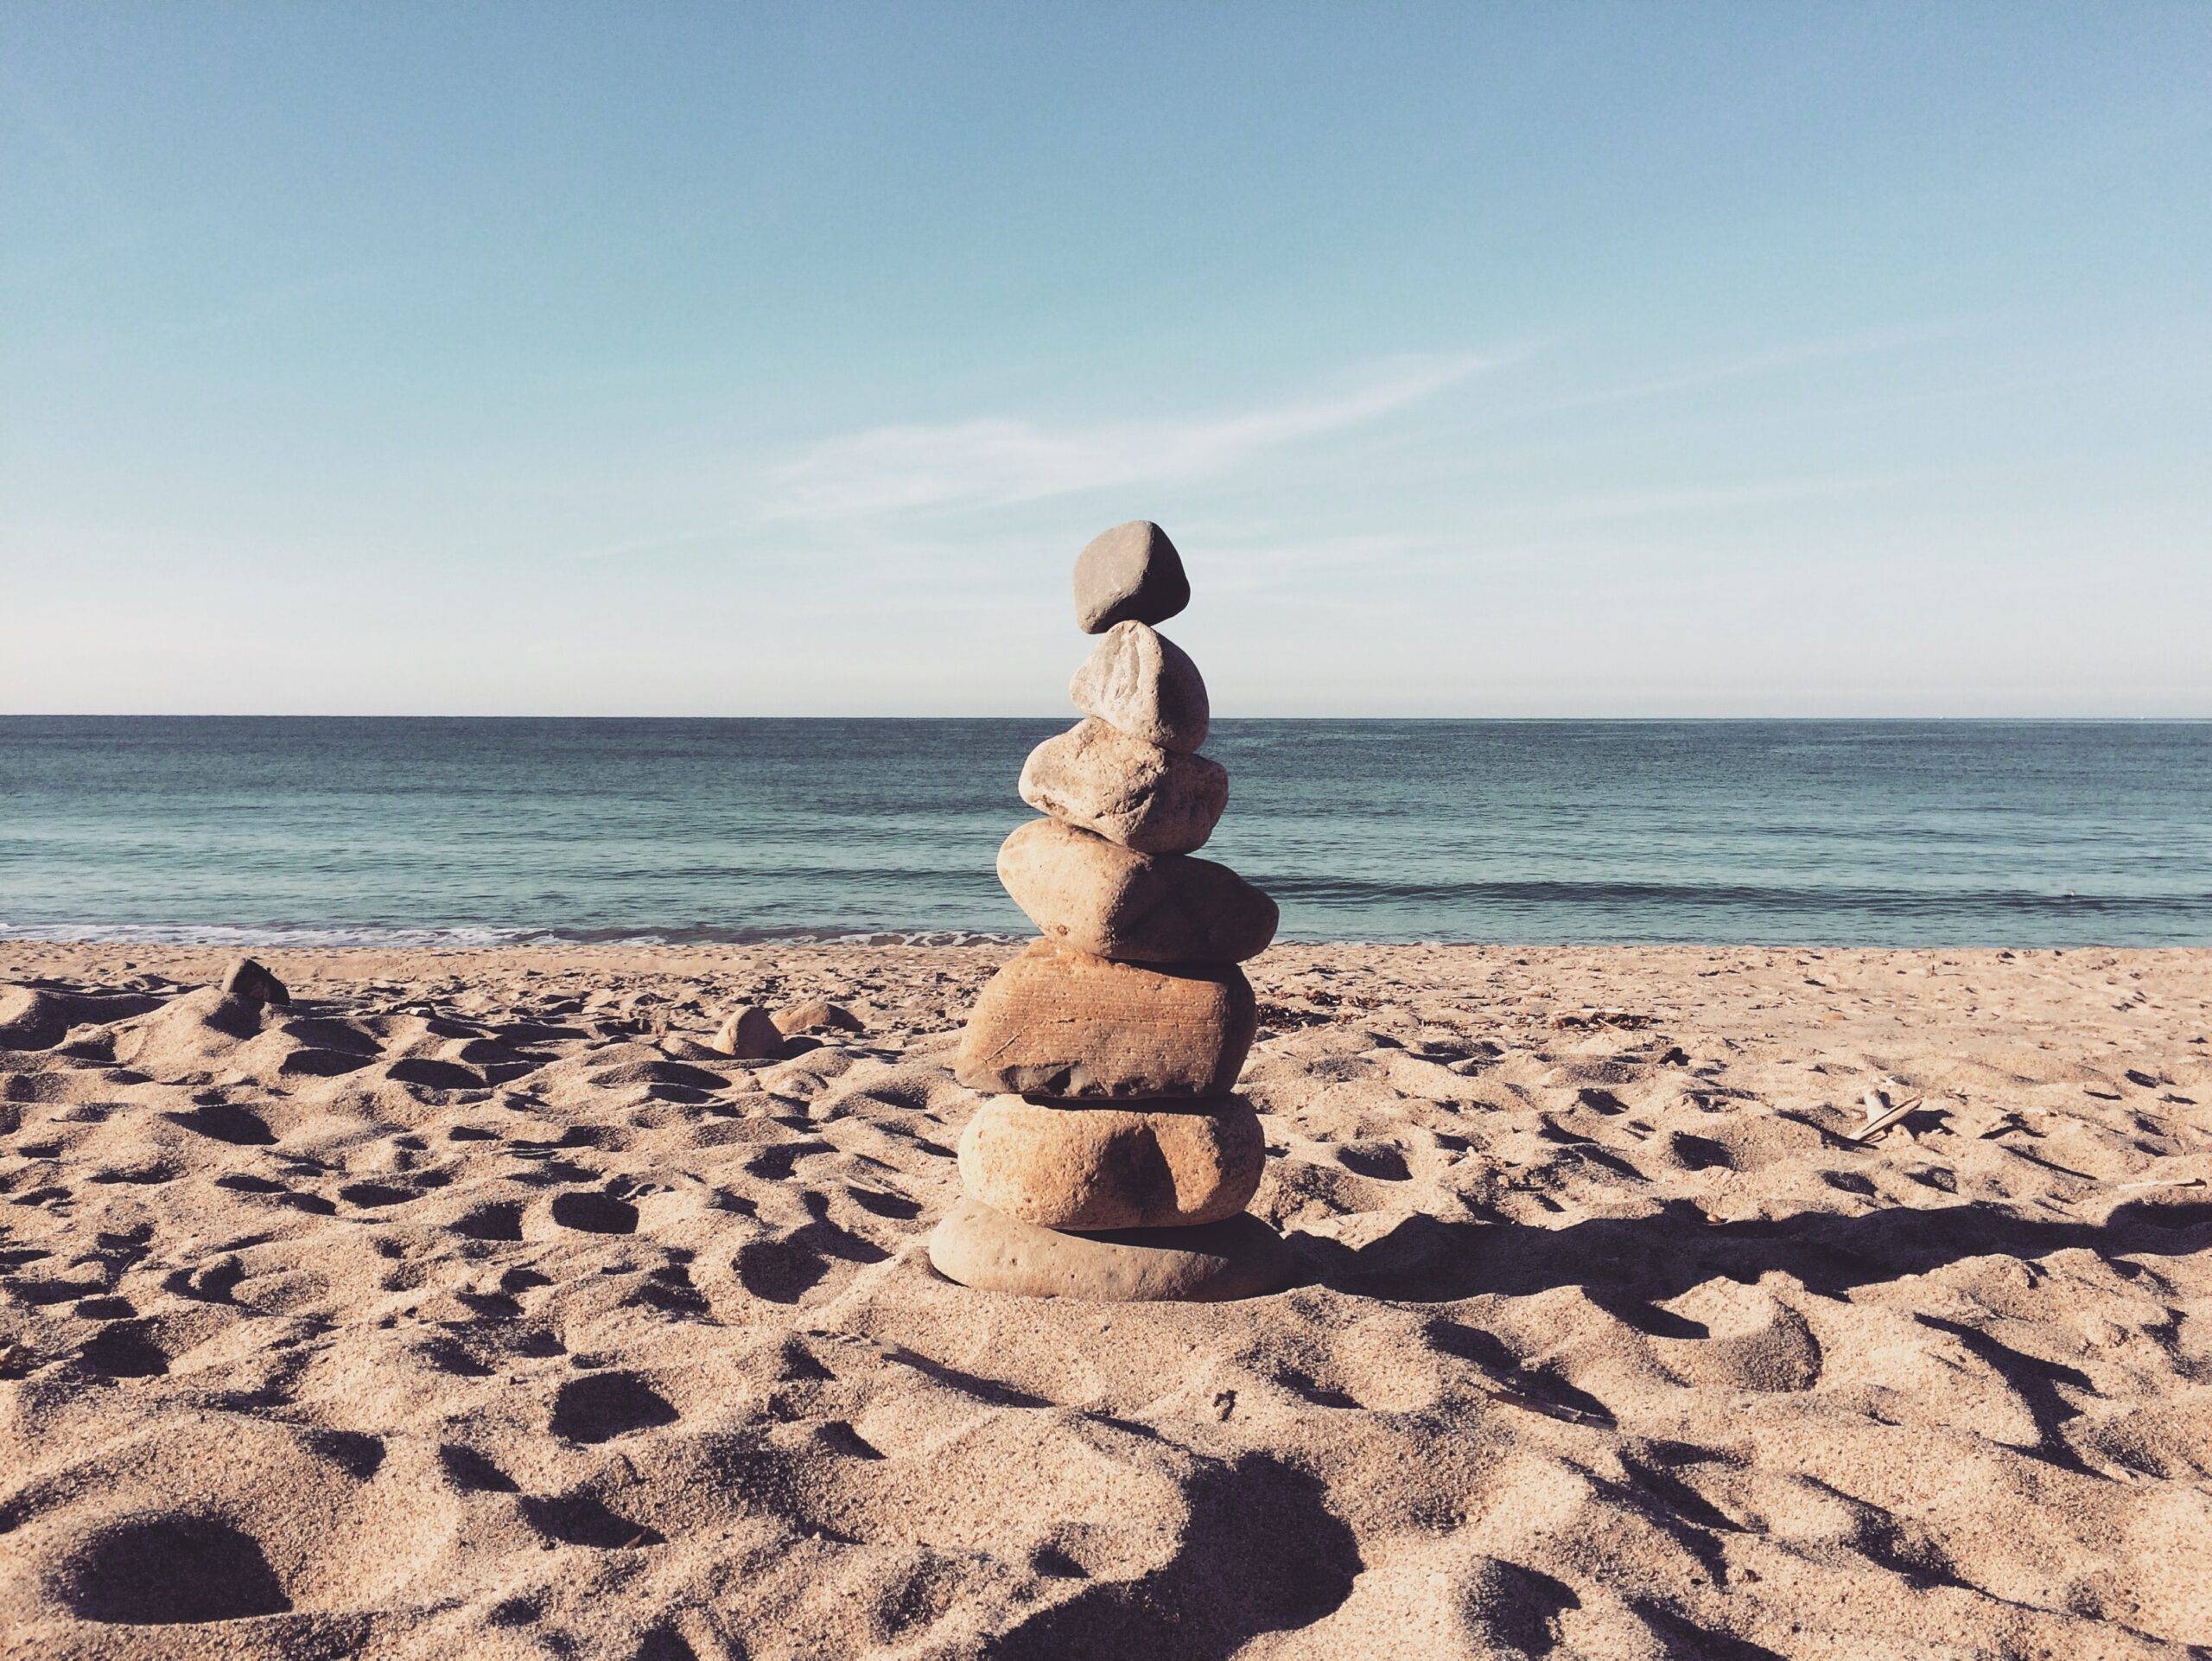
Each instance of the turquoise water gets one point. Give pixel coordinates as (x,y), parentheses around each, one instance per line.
(448,832)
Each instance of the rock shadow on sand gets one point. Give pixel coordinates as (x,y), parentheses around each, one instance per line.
(1632,1264)
(602,1406)
(164,1569)
(1262,1552)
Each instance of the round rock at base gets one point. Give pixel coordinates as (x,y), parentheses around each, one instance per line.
(1239,1258)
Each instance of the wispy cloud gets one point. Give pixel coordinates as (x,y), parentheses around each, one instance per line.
(994,461)
(1775,361)
(1698,498)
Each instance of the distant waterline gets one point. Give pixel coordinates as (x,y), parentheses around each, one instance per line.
(463,832)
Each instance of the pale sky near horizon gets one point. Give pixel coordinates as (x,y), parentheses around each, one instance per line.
(1602,359)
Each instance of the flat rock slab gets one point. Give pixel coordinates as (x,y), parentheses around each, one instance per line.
(1112,1168)
(1240,1257)
(1129,573)
(1140,682)
(1062,1023)
(1100,780)
(1111,901)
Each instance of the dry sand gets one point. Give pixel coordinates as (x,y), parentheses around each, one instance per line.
(466,1309)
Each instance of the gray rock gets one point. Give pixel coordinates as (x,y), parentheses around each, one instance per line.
(1240,1257)
(1085,892)
(1132,571)
(1139,682)
(250,981)
(1138,794)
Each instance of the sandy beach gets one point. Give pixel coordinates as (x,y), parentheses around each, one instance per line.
(470,1305)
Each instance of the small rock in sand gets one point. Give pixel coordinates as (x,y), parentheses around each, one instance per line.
(1131,572)
(1110,1168)
(817,1015)
(1140,682)
(1128,791)
(749,1034)
(252,981)
(1099,897)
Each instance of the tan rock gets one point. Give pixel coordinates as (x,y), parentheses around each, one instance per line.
(1141,683)
(749,1034)
(1063,1023)
(1132,571)
(1238,1257)
(1110,1168)
(1128,791)
(817,1015)
(1099,897)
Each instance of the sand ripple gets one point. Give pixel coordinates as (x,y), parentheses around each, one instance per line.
(470,1305)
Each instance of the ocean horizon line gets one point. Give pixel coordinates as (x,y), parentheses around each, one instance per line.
(412,938)
(1063,715)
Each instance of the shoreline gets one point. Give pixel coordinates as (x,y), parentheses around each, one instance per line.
(1767,990)
(24,949)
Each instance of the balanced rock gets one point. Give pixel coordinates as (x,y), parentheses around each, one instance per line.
(1107,1168)
(1066,1024)
(1141,683)
(1099,897)
(1132,571)
(749,1034)
(1111,1162)
(1238,1257)
(252,981)
(1128,791)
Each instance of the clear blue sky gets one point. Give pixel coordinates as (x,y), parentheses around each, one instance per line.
(1629,360)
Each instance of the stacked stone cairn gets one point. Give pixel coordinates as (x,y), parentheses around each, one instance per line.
(1112,1161)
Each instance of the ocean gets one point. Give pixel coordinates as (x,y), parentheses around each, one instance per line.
(401,831)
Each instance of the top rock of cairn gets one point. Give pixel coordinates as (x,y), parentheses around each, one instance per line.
(1130,574)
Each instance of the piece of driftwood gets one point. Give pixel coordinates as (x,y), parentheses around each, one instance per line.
(1512,1398)
(1881,1117)
(1570,1018)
